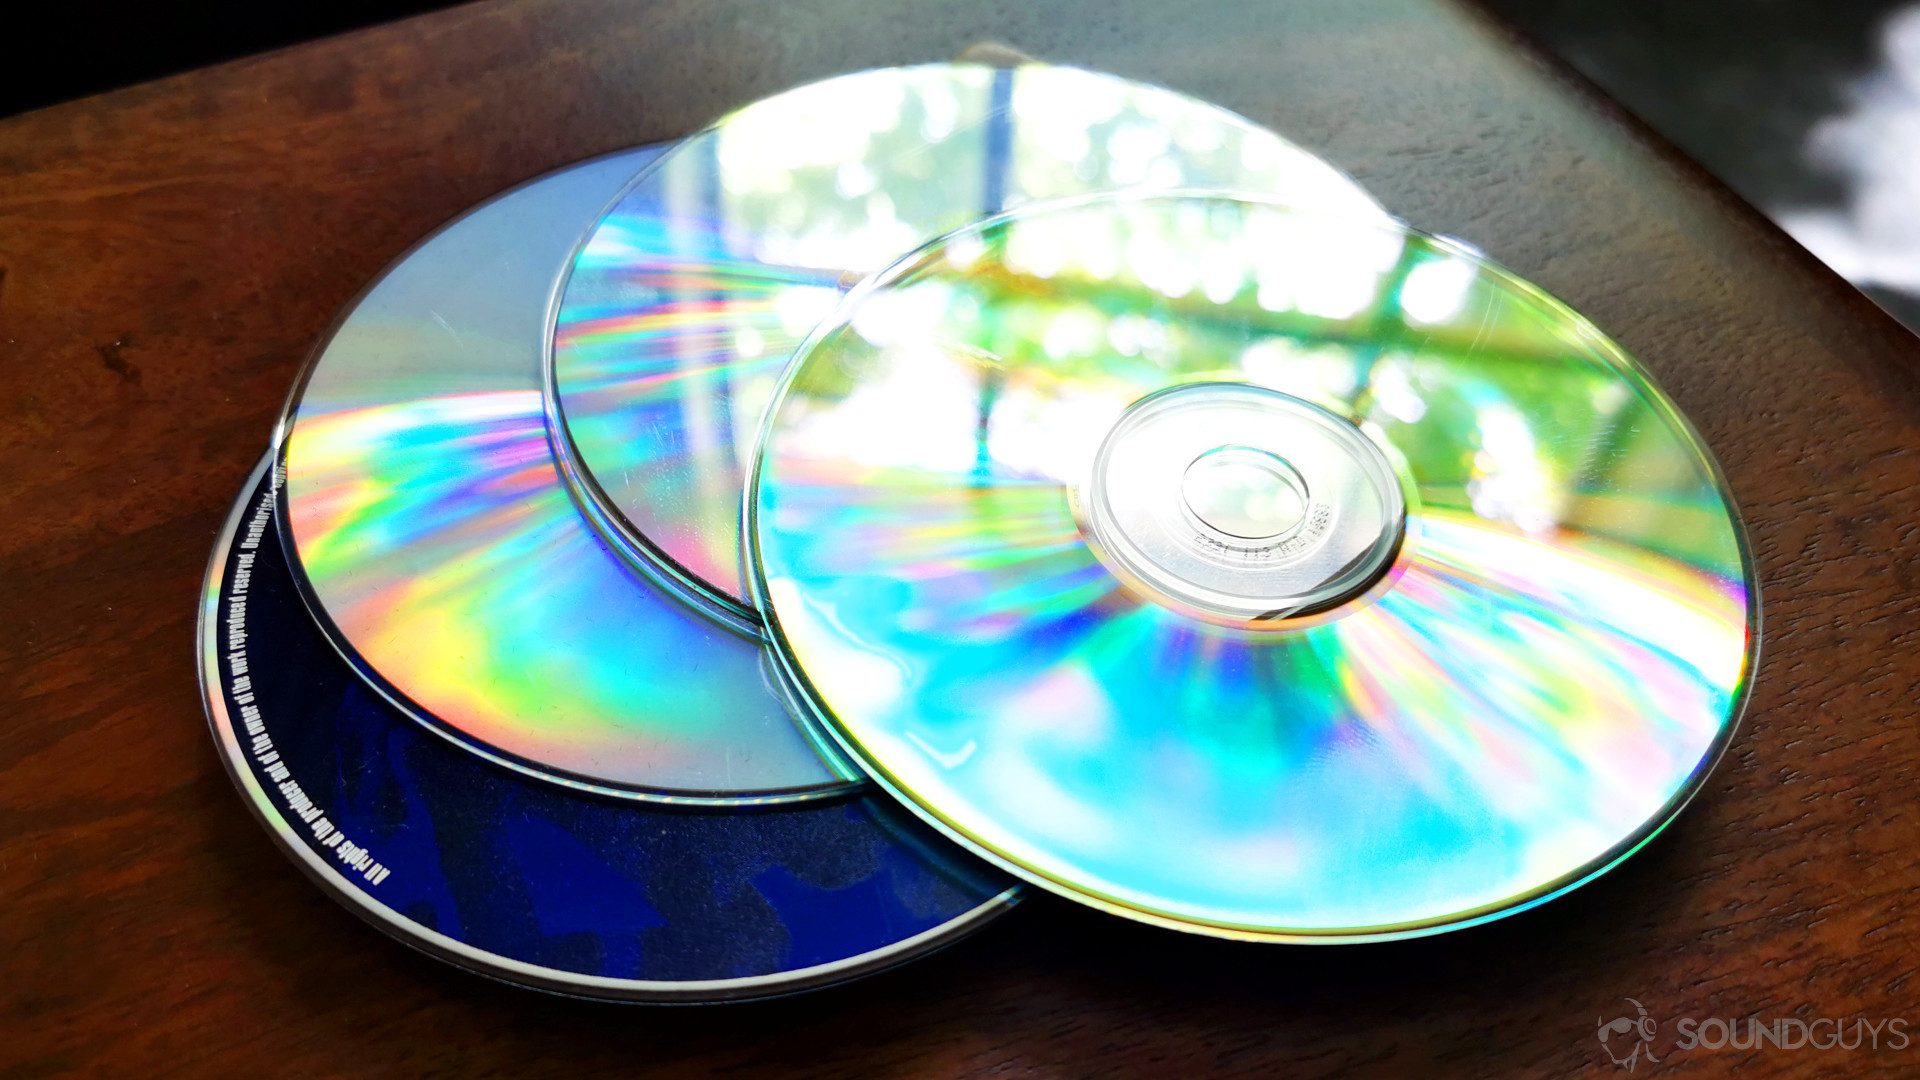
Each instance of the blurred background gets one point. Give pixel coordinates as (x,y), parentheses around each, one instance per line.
(1809,109)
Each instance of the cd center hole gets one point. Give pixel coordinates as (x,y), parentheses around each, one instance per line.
(1245,492)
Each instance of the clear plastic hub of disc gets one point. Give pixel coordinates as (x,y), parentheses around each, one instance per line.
(1242,504)
(1245,493)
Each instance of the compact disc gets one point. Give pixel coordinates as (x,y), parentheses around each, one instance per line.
(1251,571)
(539,883)
(438,546)
(685,303)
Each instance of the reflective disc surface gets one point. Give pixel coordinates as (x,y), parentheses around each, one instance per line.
(438,546)
(1513,698)
(687,301)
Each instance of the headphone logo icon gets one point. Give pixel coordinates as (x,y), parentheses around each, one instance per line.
(1627,1038)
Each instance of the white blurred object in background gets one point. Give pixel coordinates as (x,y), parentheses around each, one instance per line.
(1875,148)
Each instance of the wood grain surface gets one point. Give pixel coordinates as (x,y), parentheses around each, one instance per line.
(170,253)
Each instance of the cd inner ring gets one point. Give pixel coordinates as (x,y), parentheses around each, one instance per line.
(1244,493)
(1240,504)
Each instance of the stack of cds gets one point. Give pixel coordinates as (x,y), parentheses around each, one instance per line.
(721,569)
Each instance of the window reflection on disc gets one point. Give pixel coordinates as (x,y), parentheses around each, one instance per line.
(687,301)
(1251,571)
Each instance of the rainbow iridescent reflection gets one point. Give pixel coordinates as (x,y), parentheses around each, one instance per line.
(1550,667)
(443,554)
(688,300)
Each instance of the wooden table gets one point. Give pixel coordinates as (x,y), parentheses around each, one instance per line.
(171,252)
